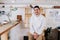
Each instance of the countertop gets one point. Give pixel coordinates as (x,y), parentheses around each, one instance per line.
(7,27)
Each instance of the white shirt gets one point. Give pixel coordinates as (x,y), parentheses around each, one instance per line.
(37,24)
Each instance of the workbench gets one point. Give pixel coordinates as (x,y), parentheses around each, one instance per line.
(4,29)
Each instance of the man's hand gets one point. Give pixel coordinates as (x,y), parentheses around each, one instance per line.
(35,35)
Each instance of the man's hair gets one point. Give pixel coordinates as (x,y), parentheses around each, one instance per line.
(36,7)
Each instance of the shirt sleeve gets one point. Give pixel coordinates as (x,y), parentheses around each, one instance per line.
(31,26)
(42,26)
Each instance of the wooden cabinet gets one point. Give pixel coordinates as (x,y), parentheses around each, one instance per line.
(42,11)
(28,13)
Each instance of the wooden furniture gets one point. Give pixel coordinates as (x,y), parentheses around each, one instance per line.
(51,34)
(28,13)
(58,34)
(4,29)
(42,11)
(56,7)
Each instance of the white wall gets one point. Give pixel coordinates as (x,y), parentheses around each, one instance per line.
(19,11)
(53,18)
(13,14)
(43,2)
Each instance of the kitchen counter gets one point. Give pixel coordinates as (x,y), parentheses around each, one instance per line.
(7,27)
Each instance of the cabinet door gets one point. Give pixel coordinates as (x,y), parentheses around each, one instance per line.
(28,13)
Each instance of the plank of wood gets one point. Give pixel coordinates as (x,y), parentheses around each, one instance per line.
(7,27)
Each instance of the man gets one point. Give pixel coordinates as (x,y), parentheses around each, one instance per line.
(37,25)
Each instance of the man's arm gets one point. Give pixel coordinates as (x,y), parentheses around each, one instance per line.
(42,27)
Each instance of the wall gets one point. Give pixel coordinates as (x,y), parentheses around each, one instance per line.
(13,13)
(53,18)
(43,2)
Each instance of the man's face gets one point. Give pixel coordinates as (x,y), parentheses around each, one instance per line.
(36,11)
